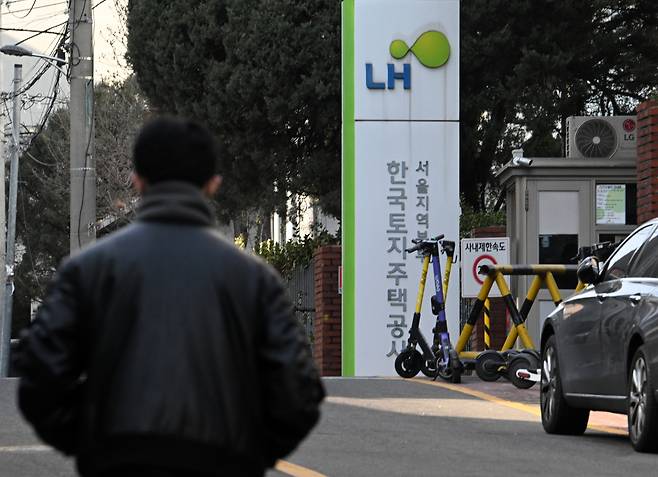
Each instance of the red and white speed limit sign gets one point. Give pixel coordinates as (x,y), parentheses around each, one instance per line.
(479,261)
(478,252)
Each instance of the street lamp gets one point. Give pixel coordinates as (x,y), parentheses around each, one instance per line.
(16,50)
(6,275)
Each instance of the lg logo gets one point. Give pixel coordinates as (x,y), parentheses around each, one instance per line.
(629,130)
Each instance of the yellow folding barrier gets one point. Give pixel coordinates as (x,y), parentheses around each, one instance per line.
(544,276)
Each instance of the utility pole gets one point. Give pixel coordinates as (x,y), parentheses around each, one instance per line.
(5,338)
(5,345)
(83,166)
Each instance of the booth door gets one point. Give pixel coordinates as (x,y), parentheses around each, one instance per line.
(559,221)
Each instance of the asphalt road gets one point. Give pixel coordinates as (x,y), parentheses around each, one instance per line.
(392,427)
(384,427)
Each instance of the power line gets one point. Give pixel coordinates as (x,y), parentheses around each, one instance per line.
(9,2)
(33,7)
(30,10)
(98,4)
(47,30)
(29,31)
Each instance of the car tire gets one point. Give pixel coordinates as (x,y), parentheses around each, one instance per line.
(642,406)
(557,416)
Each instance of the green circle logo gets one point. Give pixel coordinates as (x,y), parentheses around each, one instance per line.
(431,48)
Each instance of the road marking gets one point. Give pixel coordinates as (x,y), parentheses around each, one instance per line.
(283,466)
(296,470)
(19,449)
(529,408)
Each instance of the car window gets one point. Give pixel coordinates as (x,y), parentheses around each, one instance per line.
(646,264)
(619,263)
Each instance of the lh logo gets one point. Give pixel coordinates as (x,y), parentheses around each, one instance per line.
(432,50)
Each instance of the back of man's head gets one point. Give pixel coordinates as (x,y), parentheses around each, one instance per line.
(173,149)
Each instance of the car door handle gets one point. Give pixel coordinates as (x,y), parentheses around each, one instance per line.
(580,338)
(635,299)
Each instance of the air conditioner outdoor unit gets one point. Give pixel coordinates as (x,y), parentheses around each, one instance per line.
(609,137)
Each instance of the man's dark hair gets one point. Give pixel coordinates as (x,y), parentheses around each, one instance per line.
(173,149)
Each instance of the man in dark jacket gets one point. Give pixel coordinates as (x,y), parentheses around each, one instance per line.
(163,349)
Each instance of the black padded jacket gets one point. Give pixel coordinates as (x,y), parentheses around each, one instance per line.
(163,345)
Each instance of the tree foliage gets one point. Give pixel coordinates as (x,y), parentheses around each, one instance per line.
(527,66)
(471,219)
(42,223)
(264,75)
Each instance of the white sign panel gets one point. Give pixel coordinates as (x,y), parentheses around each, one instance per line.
(400,170)
(477,252)
(404,190)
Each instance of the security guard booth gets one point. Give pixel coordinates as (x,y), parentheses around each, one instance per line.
(554,206)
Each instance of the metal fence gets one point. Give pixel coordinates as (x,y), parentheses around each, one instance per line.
(466,305)
(301,287)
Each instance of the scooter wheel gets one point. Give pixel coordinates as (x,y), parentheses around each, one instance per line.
(408,363)
(428,368)
(487,365)
(521,362)
(451,375)
(456,366)
(456,377)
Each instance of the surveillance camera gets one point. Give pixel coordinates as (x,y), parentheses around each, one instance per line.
(522,161)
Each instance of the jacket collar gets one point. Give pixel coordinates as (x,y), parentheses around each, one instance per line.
(174,202)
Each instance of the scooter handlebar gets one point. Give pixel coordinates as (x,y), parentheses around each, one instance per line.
(433,239)
(418,243)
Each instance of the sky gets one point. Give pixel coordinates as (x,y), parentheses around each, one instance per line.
(108,45)
(108,29)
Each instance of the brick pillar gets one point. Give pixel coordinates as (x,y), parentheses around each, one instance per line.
(647,160)
(327,324)
(498,310)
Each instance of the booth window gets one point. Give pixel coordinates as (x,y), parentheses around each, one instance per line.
(612,237)
(562,249)
(616,204)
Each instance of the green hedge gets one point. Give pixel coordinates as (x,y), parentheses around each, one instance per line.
(293,253)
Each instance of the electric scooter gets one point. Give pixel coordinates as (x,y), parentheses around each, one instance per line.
(440,359)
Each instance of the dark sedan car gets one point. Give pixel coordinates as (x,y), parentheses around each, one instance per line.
(599,348)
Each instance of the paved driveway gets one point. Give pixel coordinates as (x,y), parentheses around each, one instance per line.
(393,427)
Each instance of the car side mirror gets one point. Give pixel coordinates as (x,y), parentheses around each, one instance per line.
(589,270)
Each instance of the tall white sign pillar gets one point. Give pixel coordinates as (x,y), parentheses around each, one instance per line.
(400,169)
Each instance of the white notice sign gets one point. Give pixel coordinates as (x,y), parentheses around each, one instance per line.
(610,204)
(477,252)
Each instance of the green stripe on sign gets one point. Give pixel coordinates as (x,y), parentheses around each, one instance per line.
(348,193)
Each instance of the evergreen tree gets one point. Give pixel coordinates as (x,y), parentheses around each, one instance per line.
(528,65)
(264,75)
